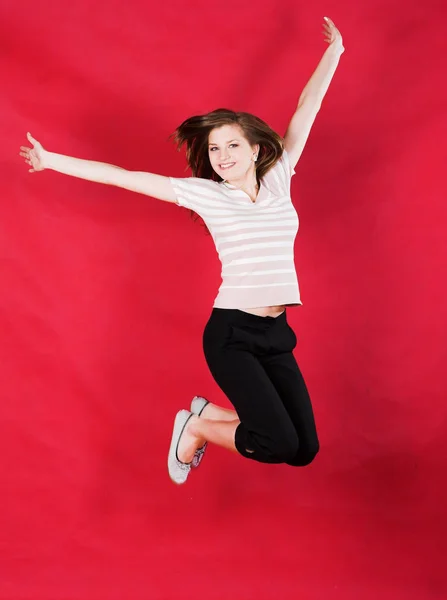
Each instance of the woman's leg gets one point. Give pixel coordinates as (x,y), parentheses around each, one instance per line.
(266,433)
(218,425)
(217,413)
(286,376)
(200,430)
(215,424)
(263,431)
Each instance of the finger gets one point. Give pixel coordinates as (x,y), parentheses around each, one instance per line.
(31,139)
(24,154)
(31,170)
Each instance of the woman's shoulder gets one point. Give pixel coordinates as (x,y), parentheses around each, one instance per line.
(281,172)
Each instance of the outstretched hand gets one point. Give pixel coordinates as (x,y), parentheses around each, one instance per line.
(33,156)
(331,34)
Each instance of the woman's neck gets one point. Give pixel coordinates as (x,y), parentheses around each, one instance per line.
(248,184)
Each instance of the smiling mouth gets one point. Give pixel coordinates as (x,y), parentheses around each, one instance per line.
(227,166)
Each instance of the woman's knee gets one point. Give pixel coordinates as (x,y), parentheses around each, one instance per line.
(305,455)
(283,448)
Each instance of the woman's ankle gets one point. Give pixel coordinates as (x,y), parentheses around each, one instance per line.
(190,441)
(193,429)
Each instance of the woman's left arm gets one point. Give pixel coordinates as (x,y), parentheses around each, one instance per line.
(312,96)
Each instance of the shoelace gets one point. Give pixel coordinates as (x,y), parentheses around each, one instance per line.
(183,466)
(198,456)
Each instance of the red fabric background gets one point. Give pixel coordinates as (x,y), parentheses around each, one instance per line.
(104,296)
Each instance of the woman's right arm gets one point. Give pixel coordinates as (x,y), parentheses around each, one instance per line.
(149,184)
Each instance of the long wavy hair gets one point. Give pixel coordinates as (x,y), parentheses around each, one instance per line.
(195,131)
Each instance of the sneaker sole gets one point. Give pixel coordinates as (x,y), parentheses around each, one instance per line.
(177,470)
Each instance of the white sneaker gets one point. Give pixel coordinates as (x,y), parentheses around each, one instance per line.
(197,405)
(178,471)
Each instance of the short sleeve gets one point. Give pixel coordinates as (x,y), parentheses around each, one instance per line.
(280,175)
(183,192)
(285,170)
(194,193)
(289,171)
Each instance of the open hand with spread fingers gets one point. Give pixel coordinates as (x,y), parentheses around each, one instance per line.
(332,35)
(34,156)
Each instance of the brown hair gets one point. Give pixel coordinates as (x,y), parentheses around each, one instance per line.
(194,133)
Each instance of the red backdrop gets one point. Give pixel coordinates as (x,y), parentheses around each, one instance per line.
(104,296)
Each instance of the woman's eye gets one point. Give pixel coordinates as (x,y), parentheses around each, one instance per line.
(230,146)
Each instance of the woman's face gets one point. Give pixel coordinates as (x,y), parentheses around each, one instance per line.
(231,155)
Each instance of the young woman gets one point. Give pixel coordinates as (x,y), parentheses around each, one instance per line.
(241,189)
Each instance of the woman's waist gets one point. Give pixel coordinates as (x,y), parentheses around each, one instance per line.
(265,311)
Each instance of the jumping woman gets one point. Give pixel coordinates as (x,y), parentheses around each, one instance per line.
(240,187)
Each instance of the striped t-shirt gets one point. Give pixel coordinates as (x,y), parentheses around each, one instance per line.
(254,240)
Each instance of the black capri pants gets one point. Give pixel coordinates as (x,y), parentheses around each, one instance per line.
(251,360)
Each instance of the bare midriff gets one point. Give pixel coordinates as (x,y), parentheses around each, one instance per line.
(265,311)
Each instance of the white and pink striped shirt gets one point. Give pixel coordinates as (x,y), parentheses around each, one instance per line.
(254,240)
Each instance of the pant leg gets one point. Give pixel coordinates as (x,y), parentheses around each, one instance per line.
(266,432)
(282,369)
(286,377)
